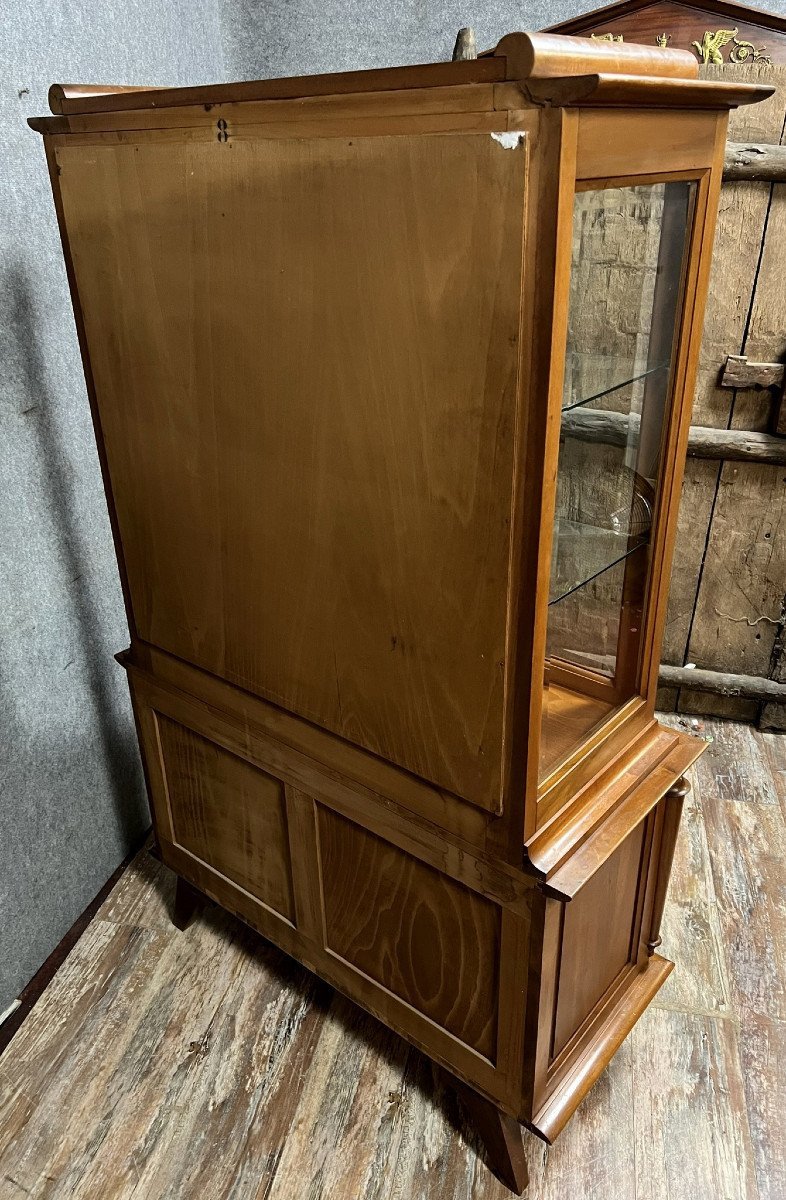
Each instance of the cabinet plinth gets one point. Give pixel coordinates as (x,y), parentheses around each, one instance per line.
(390,374)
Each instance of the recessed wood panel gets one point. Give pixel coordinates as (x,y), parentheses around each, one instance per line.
(425,937)
(596,936)
(305,356)
(228,813)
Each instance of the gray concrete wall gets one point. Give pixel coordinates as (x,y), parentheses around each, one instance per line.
(71,794)
(280,38)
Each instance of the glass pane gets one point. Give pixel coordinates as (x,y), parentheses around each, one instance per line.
(626,274)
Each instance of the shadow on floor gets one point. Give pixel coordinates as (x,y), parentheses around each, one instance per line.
(418,1073)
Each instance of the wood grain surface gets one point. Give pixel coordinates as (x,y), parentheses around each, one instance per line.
(228,813)
(594,952)
(160,1064)
(425,937)
(742,595)
(311,446)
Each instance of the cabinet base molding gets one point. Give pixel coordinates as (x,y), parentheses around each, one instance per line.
(552,1117)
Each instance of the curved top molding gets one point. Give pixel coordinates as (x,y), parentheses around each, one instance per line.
(552,69)
(551,56)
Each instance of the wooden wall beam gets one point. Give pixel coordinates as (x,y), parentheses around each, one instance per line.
(756,161)
(736,445)
(718,683)
(746,687)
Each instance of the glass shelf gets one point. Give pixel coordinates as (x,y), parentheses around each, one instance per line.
(582,552)
(613,387)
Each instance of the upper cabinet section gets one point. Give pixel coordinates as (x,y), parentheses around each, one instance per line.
(548,68)
(305,359)
(387,370)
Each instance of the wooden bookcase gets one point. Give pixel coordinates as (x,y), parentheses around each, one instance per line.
(394,508)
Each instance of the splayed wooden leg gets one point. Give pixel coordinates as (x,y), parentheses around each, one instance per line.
(186,902)
(501,1135)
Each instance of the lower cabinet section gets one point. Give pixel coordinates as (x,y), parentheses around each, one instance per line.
(523,995)
(598,954)
(425,935)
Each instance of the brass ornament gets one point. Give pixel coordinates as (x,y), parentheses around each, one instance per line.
(746,52)
(663,40)
(710,47)
(606,37)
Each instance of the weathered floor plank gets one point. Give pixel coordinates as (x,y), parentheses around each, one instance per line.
(162,1065)
(691,928)
(763,1057)
(690,1126)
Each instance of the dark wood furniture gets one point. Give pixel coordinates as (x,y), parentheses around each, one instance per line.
(716,31)
(353,346)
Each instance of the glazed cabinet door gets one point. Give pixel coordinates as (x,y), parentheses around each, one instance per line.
(628,264)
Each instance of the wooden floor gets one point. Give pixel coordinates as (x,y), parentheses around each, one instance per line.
(160,1065)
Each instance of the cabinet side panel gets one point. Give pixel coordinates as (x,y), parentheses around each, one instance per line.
(424,937)
(227,813)
(430,939)
(304,354)
(597,937)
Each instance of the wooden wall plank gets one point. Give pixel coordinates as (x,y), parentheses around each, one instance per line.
(741,222)
(739,606)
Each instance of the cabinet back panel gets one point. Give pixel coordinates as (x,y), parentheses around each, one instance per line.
(426,938)
(228,814)
(304,354)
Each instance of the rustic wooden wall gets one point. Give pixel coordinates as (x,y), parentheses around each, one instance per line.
(726,610)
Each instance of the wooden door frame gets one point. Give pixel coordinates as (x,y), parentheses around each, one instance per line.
(702,163)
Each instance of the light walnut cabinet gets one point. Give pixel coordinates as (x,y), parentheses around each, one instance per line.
(391,377)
